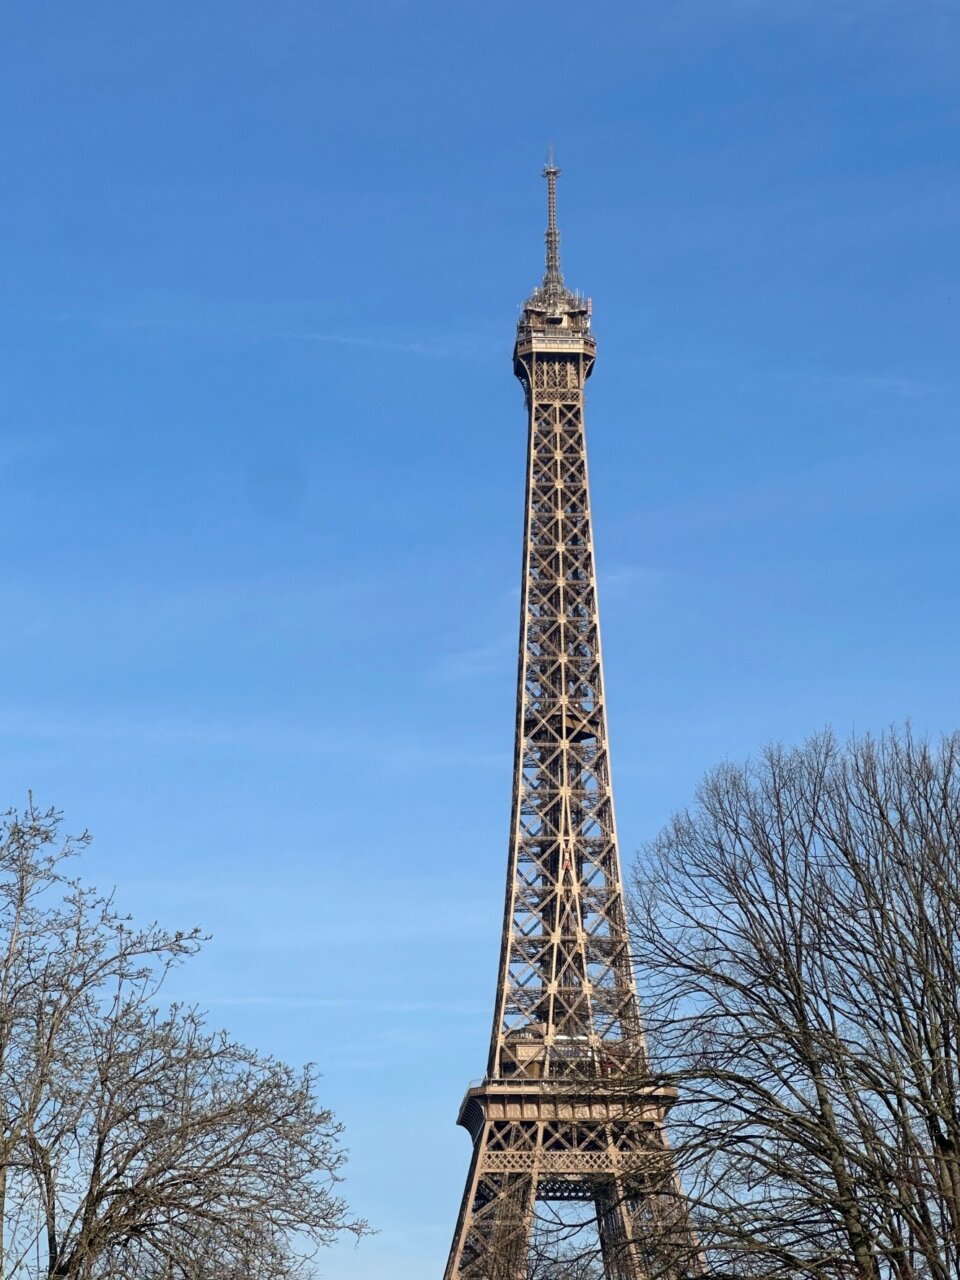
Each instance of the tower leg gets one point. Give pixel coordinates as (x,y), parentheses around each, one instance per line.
(492,1239)
(616,1227)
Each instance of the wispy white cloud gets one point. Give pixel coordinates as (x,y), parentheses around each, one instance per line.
(635,578)
(18,448)
(786,10)
(192,314)
(478,660)
(856,384)
(449,345)
(834,384)
(404,1007)
(279,319)
(21,724)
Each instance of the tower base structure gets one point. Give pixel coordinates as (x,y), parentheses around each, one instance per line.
(537,1142)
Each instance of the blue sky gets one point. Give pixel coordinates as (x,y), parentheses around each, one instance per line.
(261,460)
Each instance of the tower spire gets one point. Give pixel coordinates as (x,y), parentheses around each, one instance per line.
(552,278)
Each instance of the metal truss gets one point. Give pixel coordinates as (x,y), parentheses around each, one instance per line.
(566,1111)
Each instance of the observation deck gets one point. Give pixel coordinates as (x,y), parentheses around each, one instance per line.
(554,322)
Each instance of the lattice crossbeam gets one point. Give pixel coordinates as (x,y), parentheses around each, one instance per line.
(565,972)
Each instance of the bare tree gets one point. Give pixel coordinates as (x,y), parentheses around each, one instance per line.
(137,1142)
(564,1243)
(797,933)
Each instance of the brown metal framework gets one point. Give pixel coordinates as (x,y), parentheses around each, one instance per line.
(566,1111)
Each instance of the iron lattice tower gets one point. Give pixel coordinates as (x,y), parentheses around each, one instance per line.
(567,1110)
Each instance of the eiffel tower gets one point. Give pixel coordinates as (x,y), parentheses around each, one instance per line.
(567,1111)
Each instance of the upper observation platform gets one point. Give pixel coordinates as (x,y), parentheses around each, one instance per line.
(553,319)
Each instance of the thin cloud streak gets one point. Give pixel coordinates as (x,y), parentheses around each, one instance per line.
(280,320)
(829,383)
(464,346)
(270,737)
(344,1002)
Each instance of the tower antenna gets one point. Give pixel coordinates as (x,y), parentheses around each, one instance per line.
(552,279)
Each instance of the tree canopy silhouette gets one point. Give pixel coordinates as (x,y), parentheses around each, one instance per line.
(135,1141)
(797,936)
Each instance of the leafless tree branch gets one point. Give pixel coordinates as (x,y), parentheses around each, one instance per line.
(136,1142)
(798,939)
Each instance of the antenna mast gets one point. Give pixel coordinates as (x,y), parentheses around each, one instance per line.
(552,279)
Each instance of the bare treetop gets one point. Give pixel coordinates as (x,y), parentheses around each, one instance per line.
(136,1142)
(798,932)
